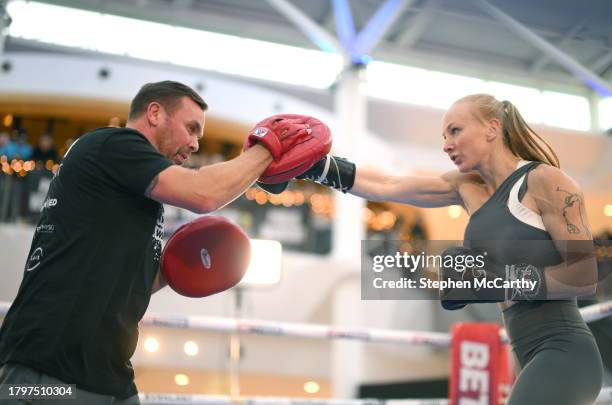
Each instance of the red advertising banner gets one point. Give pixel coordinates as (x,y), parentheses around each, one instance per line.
(480,373)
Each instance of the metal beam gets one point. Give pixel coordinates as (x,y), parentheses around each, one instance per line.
(378,25)
(183,4)
(543,59)
(345,26)
(602,63)
(321,38)
(576,68)
(5,21)
(328,18)
(418,24)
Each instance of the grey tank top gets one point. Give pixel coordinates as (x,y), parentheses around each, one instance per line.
(494,228)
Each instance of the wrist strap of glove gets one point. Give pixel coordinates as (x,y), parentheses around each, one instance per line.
(335,172)
(529,280)
(268,139)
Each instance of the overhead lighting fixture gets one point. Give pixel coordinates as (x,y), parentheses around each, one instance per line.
(415,86)
(266,264)
(411,85)
(526,99)
(566,111)
(605,113)
(158,42)
(151,345)
(8,120)
(311,387)
(454,211)
(191,348)
(181,380)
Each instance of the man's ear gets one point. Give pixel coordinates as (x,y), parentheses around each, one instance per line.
(154,113)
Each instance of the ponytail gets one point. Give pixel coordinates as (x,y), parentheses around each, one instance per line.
(522,141)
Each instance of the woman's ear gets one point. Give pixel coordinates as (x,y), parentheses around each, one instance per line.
(494,129)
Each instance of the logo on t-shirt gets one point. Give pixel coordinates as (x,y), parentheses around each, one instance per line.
(34,260)
(45,228)
(158,235)
(49,202)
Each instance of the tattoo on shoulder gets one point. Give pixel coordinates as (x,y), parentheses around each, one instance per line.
(151,186)
(573,202)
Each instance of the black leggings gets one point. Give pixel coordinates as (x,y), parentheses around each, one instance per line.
(559,360)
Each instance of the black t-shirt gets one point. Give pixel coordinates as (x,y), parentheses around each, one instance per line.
(90,270)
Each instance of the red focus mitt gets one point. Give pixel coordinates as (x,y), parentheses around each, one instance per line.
(296,142)
(206,256)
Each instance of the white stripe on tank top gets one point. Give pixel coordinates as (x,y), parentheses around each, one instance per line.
(518,209)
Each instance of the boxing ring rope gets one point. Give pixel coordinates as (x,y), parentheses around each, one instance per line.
(605,397)
(596,312)
(309,331)
(313,331)
(171,399)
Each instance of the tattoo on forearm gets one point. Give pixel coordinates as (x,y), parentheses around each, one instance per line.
(151,186)
(574,201)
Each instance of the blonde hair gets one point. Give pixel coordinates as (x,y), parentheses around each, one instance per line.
(522,141)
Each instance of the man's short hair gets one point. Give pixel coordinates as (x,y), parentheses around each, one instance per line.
(167,93)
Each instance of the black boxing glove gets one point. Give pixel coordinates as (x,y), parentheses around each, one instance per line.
(486,280)
(462,274)
(273,188)
(332,171)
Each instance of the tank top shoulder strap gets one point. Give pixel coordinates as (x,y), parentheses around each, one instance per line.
(523,187)
(523,168)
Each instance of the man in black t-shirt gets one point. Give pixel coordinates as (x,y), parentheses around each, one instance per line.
(94,259)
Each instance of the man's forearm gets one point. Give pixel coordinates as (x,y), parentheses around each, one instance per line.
(226,181)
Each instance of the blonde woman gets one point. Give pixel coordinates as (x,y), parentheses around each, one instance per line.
(509,182)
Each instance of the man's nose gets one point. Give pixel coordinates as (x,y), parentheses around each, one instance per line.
(194,145)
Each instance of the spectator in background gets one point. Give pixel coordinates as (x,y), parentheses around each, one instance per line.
(45,150)
(115,122)
(64,149)
(7,147)
(23,150)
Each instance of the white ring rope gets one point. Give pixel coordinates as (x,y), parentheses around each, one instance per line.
(596,312)
(315,331)
(171,399)
(310,331)
(605,397)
